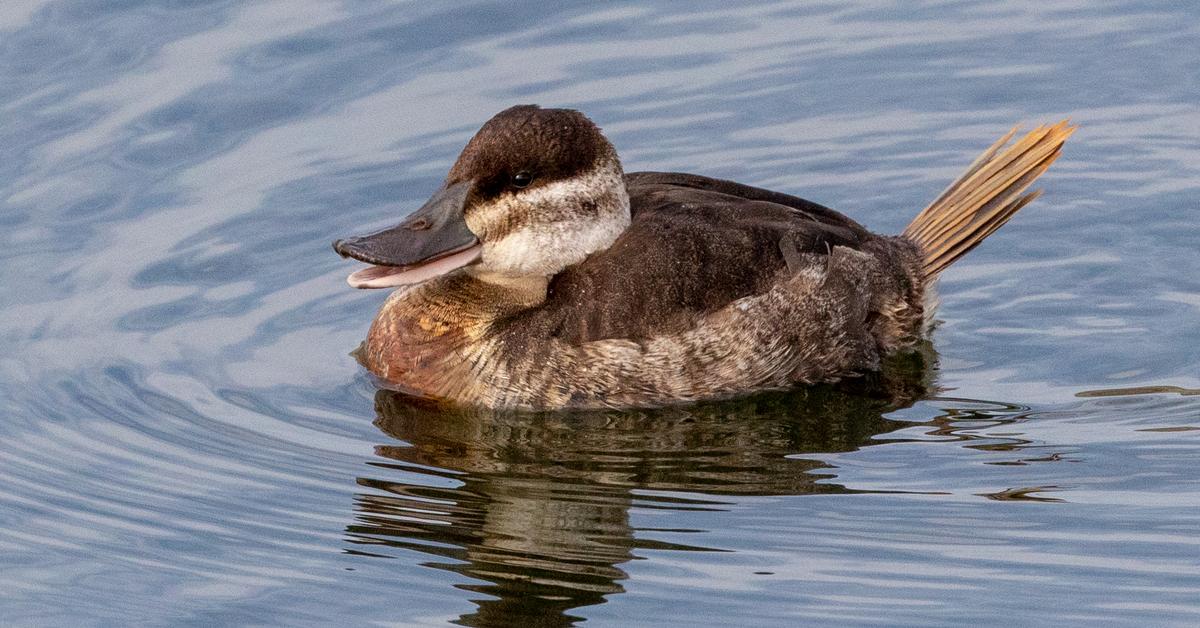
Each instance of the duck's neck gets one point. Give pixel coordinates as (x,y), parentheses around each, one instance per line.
(419,333)
(525,290)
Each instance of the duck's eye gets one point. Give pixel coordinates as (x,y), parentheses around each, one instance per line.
(522,179)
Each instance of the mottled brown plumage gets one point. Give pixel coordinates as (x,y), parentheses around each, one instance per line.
(597,289)
(694,245)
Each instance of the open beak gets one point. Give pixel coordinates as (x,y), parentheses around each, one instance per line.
(434,240)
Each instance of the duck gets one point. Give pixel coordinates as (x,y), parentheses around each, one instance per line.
(540,276)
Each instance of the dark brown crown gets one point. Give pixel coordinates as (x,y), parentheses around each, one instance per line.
(549,144)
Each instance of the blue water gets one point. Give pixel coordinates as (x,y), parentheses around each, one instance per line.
(186,441)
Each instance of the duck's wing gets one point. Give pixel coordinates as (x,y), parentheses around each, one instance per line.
(694,245)
(651,185)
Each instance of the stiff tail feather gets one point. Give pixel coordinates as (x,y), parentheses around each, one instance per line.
(981,200)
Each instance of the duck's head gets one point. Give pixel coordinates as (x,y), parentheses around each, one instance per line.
(534,191)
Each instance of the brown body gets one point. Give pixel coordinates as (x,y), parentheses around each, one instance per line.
(540,276)
(714,289)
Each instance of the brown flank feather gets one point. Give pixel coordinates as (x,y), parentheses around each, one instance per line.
(981,200)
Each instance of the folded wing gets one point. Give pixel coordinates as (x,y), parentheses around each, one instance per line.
(695,245)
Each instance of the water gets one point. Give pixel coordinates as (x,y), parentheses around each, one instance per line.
(185,439)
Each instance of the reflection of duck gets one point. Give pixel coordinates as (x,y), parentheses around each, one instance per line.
(541,514)
(548,278)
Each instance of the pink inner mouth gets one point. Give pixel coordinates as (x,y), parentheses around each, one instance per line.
(394,276)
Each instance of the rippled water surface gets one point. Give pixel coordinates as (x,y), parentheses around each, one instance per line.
(185,439)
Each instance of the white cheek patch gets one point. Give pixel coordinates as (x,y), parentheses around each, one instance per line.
(548,248)
(555,230)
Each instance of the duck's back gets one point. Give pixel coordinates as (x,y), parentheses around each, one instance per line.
(694,245)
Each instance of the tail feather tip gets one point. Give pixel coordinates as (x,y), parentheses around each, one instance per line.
(986,196)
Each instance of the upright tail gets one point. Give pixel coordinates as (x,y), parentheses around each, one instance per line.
(981,200)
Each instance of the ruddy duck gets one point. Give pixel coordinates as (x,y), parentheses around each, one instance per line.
(541,276)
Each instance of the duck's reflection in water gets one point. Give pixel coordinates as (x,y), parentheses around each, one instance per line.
(536,507)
